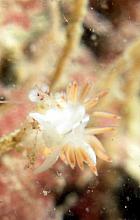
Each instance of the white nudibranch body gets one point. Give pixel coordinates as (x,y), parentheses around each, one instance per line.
(63,121)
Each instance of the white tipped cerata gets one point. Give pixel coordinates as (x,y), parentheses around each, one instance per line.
(64,122)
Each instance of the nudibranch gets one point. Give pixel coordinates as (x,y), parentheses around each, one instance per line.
(64,119)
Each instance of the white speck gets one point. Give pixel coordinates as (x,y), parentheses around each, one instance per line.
(46,192)
(87,209)
(65,19)
(128,198)
(93,37)
(59,173)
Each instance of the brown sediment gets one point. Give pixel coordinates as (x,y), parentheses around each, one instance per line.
(11,141)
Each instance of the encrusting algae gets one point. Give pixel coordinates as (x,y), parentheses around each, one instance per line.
(59,127)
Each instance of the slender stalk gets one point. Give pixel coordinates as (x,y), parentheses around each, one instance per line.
(128,62)
(74,31)
(131,89)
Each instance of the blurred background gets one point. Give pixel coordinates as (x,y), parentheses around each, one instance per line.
(56,42)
